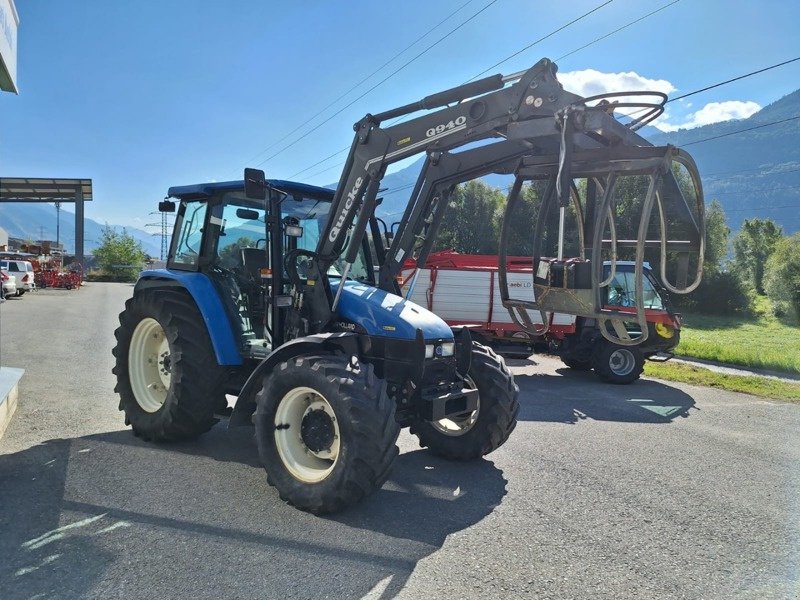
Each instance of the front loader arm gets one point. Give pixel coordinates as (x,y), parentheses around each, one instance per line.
(536,94)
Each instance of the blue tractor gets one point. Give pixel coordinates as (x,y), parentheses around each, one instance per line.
(286,295)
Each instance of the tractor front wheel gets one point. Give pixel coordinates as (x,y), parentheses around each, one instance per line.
(477,433)
(168,378)
(326,431)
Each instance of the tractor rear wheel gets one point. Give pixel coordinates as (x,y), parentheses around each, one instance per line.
(168,378)
(618,364)
(326,431)
(477,433)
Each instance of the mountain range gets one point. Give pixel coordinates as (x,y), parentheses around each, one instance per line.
(751,166)
(36,221)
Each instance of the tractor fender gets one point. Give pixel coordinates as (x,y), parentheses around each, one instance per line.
(208,302)
(346,342)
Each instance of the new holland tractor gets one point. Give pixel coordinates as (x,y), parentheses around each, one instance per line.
(273,292)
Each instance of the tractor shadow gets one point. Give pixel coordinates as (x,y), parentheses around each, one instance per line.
(571,396)
(96,516)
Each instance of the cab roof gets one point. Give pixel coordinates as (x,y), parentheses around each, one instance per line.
(198,191)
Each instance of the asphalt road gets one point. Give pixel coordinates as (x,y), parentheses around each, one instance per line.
(654,490)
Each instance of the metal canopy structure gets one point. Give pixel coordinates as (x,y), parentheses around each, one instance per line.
(30,189)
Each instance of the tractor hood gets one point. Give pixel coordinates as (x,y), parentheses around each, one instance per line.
(384,314)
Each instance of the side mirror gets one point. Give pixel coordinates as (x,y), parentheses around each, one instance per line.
(166,206)
(255,184)
(247,214)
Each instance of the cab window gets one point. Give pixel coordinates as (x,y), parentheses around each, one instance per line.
(190,234)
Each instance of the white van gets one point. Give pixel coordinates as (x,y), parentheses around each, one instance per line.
(23,271)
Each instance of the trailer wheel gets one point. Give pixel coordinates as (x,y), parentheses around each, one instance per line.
(617,364)
(472,435)
(168,378)
(326,431)
(576,363)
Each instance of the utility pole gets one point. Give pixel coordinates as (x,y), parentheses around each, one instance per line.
(58,224)
(165,226)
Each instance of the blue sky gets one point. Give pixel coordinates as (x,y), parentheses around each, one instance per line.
(143,95)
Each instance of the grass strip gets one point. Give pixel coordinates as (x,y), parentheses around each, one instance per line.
(759,340)
(755,385)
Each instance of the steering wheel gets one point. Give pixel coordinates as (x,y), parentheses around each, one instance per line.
(290,263)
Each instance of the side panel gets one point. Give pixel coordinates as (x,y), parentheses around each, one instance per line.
(208,302)
(463,296)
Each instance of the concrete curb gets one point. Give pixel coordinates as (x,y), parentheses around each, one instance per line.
(737,369)
(9,393)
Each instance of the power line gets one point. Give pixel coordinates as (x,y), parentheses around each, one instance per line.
(716,137)
(545,37)
(375,72)
(381,82)
(753,169)
(602,37)
(541,39)
(518,52)
(756,192)
(757,208)
(721,83)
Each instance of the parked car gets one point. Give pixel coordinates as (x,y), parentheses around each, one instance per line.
(9,283)
(23,271)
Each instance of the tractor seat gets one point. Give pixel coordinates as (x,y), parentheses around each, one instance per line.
(254,259)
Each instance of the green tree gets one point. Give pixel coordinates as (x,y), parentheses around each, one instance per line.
(468,225)
(782,273)
(230,255)
(717,234)
(120,254)
(752,246)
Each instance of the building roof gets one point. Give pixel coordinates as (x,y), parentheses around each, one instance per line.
(35,189)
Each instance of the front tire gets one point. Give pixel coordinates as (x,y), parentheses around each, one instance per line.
(168,378)
(482,431)
(326,431)
(617,364)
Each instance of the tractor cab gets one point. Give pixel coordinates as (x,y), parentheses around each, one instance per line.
(240,243)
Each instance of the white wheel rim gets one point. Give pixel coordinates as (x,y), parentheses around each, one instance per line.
(461,424)
(149,365)
(621,362)
(303,463)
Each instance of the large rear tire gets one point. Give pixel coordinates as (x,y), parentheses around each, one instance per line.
(326,431)
(482,431)
(168,378)
(618,364)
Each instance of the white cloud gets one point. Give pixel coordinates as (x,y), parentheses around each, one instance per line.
(713,112)
(592,83)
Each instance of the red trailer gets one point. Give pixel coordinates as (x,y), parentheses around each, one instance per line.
(463,290)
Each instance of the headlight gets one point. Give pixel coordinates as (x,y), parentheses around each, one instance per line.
(448,349)
(665,331)
(428,350)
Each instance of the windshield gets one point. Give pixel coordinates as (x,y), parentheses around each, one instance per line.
(244,226)
(622,291)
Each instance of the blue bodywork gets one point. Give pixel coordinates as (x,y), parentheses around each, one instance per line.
(384,314)
(207,299)
(377,312)
(206,190)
